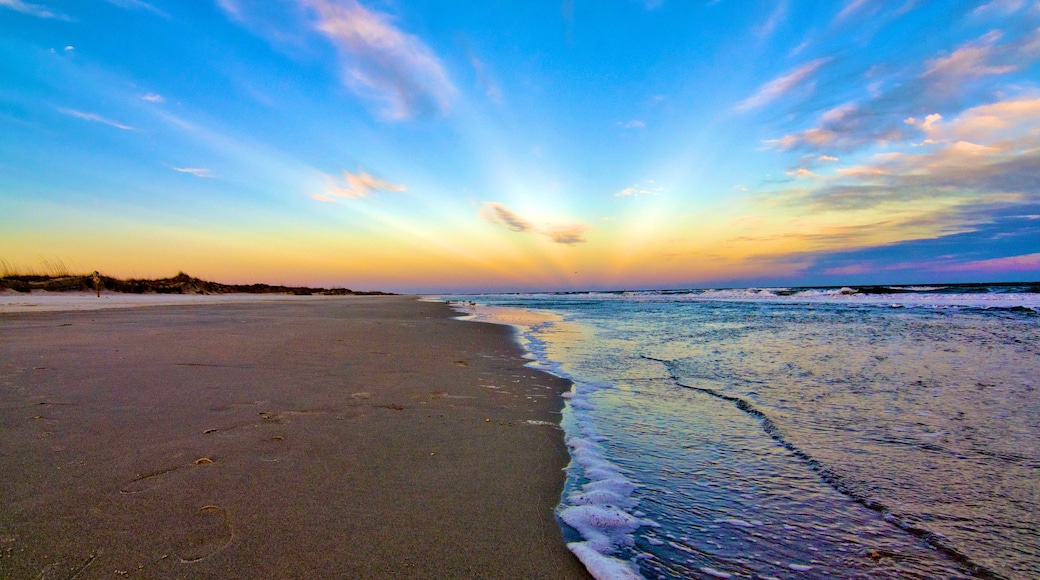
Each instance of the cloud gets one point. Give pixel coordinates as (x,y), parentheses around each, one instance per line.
(780,86)
(851,8)
(1023,263)
(567,234)
(138,5)
(491,89)
(380,61)
(647,188)
(153,98)
(323,198)
(498,214)
(358,185)
(232,8)
(937,86)
(801,173)
(960,174)
(982,164)
(196,171)
(971,60)
(37,10)
(633,124)
(826,158)
(95,118)
(1001,7)
(1003,124)
(777,17)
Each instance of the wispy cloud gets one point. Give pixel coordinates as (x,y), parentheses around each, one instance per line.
(196,171)
(491,88)
(357,185)
(938,85)
(989,154)
(37,10)
(566,234)
(232,8)
(780,86)
(498,214)
(633,124)
(96,118)
(801,173)
(381,62)
(323,198)
(974,59)
(999,7)
(979,165)
(775,19)
(153,98)
(851,8)
(1023,263)
(648,188)
(139,5)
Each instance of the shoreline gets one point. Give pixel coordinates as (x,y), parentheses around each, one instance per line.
(357,436)
(48,301)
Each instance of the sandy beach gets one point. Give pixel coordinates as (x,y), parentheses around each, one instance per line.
(338,437)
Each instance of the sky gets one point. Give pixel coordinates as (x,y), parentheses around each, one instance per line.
(440,145)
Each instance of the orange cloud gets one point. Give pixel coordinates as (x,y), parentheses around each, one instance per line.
(359,185)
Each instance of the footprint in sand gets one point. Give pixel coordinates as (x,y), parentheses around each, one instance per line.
(273,449)
(146,481)
(155,478)
(210,532)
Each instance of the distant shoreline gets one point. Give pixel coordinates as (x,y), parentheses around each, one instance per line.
(179,284)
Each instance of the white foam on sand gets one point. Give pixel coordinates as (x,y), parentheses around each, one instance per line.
(602,567)
(601,509)
(43,301)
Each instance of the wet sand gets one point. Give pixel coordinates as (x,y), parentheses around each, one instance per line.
(352,437)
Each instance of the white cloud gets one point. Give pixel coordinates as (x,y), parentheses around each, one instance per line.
(231,7)
(775,19)
(153,98)
(96,118)
(138,5)
(633,124)
(1003,7)
(491,88)
(780,86)
(196,171)
(850,8)
(380,61)
(37,10)
(647,188)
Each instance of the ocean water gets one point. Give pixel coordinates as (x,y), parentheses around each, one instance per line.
(881,432)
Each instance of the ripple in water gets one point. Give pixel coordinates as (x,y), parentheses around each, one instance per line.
(770,440)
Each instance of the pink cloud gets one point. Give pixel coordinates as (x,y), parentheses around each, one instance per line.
(1024,263)
(780,86)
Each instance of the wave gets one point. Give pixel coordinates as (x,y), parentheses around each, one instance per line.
(1002,296)
(837,480)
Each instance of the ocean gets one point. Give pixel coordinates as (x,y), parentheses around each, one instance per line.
(858,432)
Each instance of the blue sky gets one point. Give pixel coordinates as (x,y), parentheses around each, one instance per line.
(431,145)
